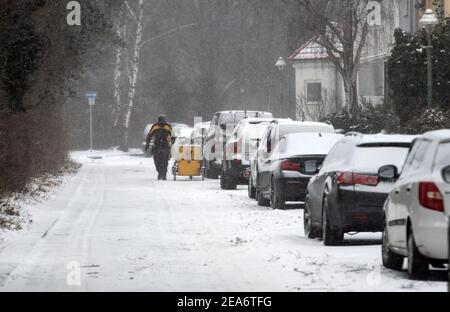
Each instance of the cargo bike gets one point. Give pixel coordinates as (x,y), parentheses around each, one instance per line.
(189,160)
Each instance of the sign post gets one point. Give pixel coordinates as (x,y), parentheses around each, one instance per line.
(91,98)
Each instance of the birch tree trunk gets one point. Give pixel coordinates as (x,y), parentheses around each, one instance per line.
(117,109)
(133,74)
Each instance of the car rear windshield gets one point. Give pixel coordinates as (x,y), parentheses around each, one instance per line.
(369,159)
(255,131)
(299,128)
(235,117)
(443,155)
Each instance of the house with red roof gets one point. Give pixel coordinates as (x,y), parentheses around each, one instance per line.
(318,84)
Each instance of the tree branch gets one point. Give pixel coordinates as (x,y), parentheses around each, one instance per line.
(130,10)
(167,33)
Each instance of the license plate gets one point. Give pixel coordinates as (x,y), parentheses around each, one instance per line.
(311,166)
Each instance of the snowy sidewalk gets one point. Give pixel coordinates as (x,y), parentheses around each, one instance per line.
(113,227)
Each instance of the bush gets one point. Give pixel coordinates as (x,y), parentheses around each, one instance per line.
(371,120)
(431,119)
(32,144)
(407,72)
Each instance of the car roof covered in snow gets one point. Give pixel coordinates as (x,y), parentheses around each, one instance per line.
(255,120)
(440,135)
(241,111)
(202,124)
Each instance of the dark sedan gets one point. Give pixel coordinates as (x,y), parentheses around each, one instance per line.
(347,195)
(285,174)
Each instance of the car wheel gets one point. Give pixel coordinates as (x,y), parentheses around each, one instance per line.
(260,197)
(330,236)
(210,173)
(215,174)
(232,182)
(417,264)
(390,260)
(223,181)
(262,201)
(309,229)
(277,200)
(251,189)
(227,182)
(203,174)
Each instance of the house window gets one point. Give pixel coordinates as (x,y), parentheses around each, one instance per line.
(405,8)
(313,92)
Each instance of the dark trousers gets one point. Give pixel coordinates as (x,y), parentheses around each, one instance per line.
(161,158)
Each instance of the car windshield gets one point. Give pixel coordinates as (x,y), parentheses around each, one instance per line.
(226,118)
(443,155)
(369,159)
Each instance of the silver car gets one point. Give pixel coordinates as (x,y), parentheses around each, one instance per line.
(417,209)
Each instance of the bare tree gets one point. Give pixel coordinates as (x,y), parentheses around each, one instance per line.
(121,31)
(317,111)
(341,27)
(137,14)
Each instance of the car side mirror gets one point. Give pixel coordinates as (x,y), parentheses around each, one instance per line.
(446,174)
(223,126)
(389,172)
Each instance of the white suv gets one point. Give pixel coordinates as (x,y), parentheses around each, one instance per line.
(416,224)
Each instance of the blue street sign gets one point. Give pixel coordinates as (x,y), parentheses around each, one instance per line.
(91,95)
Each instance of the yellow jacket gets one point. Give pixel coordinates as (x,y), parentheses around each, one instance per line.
(160,127)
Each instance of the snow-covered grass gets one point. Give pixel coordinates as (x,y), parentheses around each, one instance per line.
(129,232)
(13,207)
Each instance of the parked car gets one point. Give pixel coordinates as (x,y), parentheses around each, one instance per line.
(348,193)
(176,130)
(272,184)
(253,160)
(183,138)
(200,132)
(416,210)
(240,148)
(222,126)
(147,153)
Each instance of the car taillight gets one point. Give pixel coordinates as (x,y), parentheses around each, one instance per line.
(289,165)
(430,197)
(237,162)
(350,178)
(365,179)
(345,178)
(236,146)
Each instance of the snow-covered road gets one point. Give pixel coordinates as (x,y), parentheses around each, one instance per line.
(113,227)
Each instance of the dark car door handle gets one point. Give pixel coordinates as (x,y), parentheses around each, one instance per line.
(408,189)
(397,192)
(268,161)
